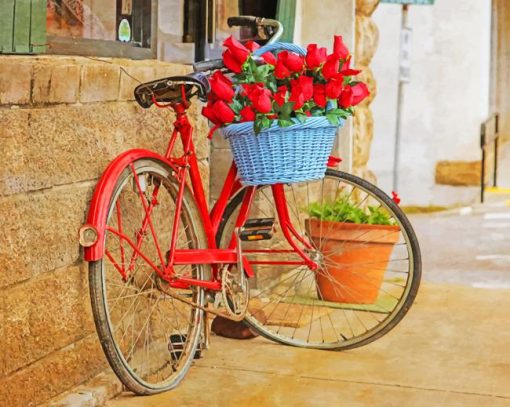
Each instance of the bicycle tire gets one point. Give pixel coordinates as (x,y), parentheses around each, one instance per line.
(404,303)
(163,335)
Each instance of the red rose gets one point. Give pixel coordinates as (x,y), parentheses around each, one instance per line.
(345,99)
(339,48)
(296,95)
(319,95)
(221,86)
(308,113)
(346,69)
(330,68)
(279,96)
(209,112)
(260,97)
(238,50)
(231,63)
(269,58)
(281,71)
(334,87)
(306,84)
(359,93)
(293,62)
(315,56)
(252,46)
(247,114)
(223,112)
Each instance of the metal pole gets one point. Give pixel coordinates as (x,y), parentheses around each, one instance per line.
(400,104)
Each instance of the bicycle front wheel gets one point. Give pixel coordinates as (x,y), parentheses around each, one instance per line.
(148,337)
(368,275)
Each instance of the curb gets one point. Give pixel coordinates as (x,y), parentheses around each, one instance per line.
(93,393)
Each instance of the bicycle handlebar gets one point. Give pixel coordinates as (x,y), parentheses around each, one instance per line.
(239,21)
(242,21)
(210,65)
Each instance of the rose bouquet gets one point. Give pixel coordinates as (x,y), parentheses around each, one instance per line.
(280,112)
(286,88)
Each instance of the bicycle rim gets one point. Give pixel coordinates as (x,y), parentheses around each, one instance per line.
(355,296)
(148,337)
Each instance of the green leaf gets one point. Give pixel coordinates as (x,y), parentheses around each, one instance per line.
(301,117)
(346,209)
(261,73)
(266,122)
(333,119)
(236,106)
(286,109)
(285,122)
(258,126)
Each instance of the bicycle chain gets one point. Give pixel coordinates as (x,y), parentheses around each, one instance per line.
(204,308)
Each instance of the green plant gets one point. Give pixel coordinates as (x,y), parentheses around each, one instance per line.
(342,210)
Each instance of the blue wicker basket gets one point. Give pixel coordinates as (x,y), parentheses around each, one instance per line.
(281,154)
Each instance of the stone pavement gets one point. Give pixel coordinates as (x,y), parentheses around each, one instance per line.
(452,349)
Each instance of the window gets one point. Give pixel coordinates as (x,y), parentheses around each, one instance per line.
(101,27)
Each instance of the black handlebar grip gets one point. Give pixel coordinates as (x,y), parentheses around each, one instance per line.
(241,21)
(203,66)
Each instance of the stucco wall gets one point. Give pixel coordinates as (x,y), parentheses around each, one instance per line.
(446,101)
(61,121)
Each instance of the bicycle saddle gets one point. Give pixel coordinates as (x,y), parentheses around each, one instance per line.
(167,90)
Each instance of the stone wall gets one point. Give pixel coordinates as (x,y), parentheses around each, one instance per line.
(61,121)
(367,38)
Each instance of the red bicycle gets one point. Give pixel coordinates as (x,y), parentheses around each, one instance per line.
(160,261)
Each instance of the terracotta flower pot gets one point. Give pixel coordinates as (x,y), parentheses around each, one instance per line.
(356,257)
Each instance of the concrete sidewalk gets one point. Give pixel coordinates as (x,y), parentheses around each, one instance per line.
(451,350)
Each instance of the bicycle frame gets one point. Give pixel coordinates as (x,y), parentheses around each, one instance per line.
(182,166)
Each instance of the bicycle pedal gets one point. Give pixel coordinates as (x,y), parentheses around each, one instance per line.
(257,229)
(176,345)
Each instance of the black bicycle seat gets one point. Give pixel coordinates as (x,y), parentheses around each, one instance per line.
(167,90)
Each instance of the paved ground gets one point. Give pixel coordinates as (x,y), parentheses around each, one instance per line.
(453,348)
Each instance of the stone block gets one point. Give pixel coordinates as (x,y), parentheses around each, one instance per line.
(39,231)
(53,374)
(99,82)
(42,315)
(55,82)
(363,125)
(220,163)
(131,77)
(458,173)
(366,7)
(165,69)
(15,80)
(47,147)
(96,392)
(367,38)
(201,130)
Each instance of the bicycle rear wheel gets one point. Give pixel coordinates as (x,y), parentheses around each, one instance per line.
(355,296)
(148,337)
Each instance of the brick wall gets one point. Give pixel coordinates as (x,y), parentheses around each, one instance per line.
(61,121)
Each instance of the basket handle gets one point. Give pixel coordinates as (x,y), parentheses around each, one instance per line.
(280,46)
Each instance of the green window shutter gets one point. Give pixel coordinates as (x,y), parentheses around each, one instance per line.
(22,26)
(286,14)
(6,21)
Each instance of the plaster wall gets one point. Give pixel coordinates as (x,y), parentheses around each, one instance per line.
(445,102)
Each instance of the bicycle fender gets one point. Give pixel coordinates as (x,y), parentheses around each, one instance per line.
(98,209)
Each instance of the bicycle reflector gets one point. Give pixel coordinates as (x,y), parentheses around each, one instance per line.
(87,235)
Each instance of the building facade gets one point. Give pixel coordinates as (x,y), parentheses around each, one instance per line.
(67,73)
